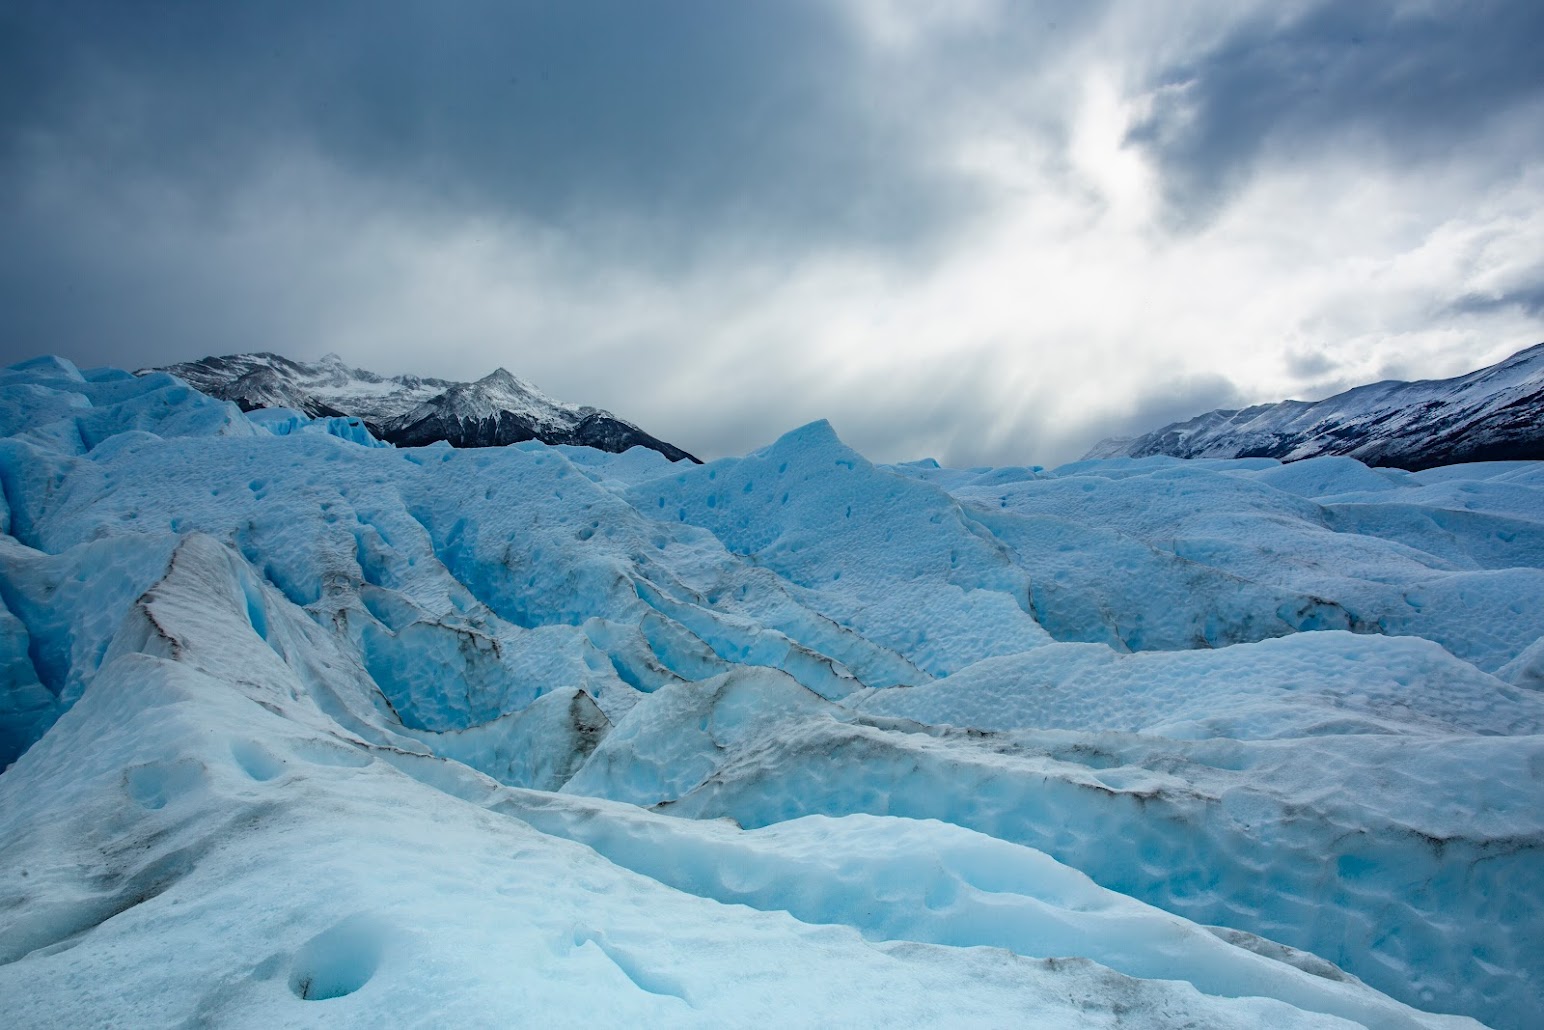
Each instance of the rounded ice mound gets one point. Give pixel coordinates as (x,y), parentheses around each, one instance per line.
(1328,476)
(48,366)
(887,556)
(1304,685)
(49,404)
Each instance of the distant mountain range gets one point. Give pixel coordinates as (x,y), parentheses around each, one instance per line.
(411,411)
(1495,414)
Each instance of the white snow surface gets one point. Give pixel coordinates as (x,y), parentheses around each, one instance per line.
(307,731)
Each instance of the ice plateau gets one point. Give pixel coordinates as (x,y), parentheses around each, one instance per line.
(299,729)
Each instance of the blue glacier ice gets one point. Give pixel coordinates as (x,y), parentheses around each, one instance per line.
(305,730)
(287,421)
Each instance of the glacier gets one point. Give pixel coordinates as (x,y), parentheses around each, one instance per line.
(302,729)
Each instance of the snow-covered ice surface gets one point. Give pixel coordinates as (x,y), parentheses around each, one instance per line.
(308,731)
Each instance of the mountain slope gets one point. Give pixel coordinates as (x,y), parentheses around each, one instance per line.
(412,411)
(1494,414)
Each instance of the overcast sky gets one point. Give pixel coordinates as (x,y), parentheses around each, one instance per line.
(988,232)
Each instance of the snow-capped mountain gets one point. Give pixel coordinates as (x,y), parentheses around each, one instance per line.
(1495,414)
(412,411)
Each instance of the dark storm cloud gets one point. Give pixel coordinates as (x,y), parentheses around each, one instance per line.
(87,281)
(737,114)
(658,135)
(1398,81)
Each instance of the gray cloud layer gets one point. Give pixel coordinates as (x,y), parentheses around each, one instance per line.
(982,230)
(680,114)
(1411,82)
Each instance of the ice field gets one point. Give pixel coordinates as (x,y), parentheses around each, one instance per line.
(305,730)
